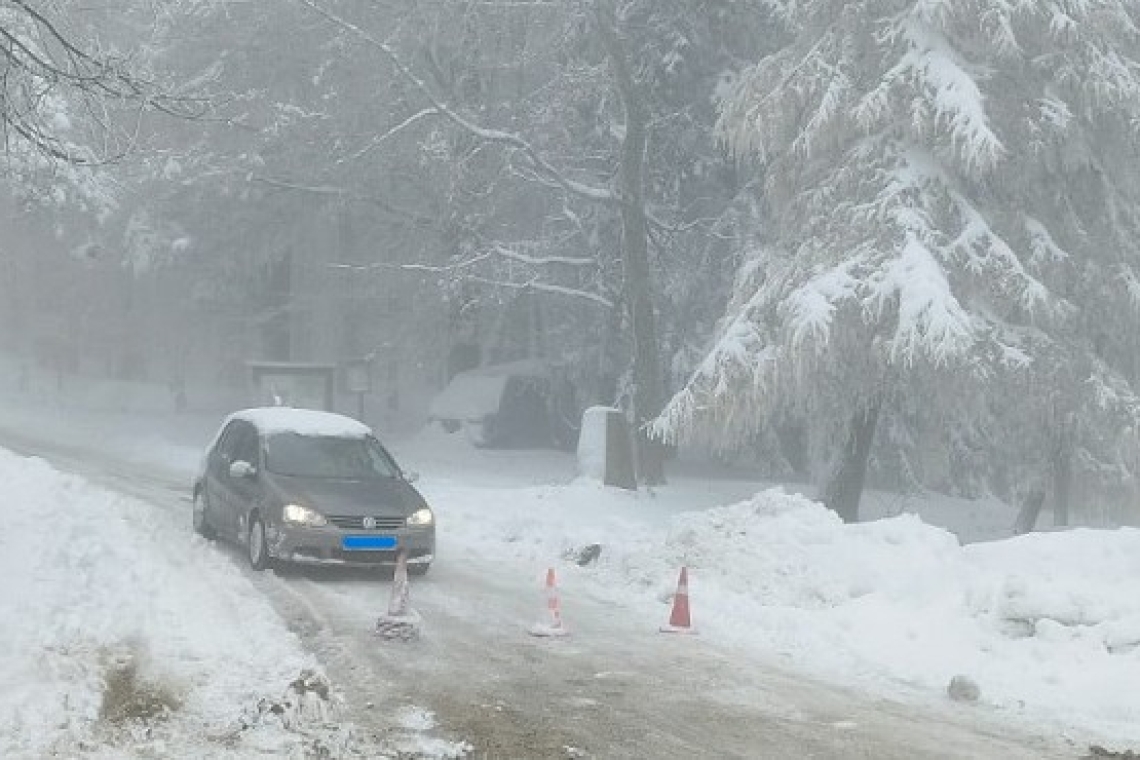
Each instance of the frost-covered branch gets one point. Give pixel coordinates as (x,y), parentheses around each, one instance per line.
(525,258)
(376,141)
(341,192)
(545,287)
(53,79)
(413,267)
(509,139)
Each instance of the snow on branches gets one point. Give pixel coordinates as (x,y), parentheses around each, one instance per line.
(944,179)
(71,103)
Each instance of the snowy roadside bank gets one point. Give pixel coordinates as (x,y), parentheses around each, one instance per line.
(1043,624)
(123,636)
(1046,625)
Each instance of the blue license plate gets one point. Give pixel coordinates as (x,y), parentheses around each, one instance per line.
(350,543)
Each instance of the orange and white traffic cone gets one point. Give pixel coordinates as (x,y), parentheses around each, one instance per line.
(401,623)
(553,625)
(679,621)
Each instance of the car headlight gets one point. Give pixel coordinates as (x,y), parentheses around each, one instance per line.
(421,517)
(296,514)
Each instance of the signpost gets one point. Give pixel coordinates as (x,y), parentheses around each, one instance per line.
(305,386)
(358,380)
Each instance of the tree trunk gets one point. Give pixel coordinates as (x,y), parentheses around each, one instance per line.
(648,383)
(1029,511)
(844,488)
(1062,474)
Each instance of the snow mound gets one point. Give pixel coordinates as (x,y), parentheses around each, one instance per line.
(1047,625)
(123,634)
(785,550)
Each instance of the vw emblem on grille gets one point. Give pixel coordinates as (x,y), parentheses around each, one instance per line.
(369,523)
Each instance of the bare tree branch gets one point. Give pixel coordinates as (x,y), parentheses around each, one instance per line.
(507,253)
(409,267)
(375,141)
(340,192)
(538,163)
(42,62)
(546,288)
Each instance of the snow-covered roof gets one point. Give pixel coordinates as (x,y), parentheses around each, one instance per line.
(523,367)
(474,394)
(283,419)
(468,397)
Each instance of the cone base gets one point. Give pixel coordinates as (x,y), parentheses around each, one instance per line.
(404,627)
(548,631)
(678,629)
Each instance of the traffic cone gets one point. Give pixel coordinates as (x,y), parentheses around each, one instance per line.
(401,623)
(679,621)
(553,626)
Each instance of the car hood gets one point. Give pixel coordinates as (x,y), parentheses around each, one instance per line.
(379,497)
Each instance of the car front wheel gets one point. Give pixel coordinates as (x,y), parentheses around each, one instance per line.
(202,524)
(256,547)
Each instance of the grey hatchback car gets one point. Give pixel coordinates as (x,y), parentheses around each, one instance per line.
(309,487)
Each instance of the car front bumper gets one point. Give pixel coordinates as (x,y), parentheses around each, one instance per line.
(325,546)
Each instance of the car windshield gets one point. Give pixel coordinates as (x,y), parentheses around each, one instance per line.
(308,456)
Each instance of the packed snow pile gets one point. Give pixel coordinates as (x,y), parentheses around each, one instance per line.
(1047,626)
(787,551)
(122,635)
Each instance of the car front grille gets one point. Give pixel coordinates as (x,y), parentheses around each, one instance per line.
(356,522)
(370,556)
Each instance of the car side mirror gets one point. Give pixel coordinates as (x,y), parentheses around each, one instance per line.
(411,476)
(240,469)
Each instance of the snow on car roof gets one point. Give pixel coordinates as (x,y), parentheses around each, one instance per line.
(283,419)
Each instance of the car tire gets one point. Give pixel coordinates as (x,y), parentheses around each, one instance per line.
(202,524)
(418,570)
(256,548)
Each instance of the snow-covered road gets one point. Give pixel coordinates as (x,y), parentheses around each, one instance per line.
(477,683)
(614,689)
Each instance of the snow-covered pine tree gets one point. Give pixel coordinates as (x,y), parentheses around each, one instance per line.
(953,216)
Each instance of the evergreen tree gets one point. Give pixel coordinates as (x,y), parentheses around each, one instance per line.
(952,216)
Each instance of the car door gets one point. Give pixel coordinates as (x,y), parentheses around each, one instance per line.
(226,491)
(244,489)
(217,474)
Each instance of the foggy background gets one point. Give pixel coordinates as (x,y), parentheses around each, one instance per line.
(613,193)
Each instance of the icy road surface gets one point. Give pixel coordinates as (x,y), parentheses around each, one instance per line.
(477,684)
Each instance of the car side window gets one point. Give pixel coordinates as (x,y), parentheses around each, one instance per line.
(245,447)
(226,442)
